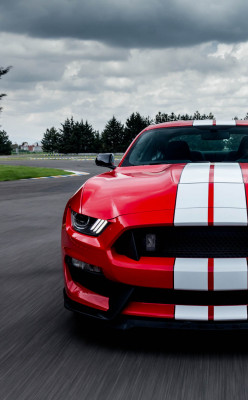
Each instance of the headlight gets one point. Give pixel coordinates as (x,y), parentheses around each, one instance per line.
(87,225)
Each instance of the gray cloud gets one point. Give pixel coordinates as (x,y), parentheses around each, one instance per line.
(131,23)
(92,59)
(53,79)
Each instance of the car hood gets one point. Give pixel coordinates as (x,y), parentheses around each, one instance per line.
(188,189)
(129,190)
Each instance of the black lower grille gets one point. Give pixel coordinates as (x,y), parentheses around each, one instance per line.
(187,297)
(188,242)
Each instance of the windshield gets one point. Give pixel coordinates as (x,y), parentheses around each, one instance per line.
(189,144)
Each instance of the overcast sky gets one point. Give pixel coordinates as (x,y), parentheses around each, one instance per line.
(98,58)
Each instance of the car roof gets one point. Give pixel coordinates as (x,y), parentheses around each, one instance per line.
(205,122)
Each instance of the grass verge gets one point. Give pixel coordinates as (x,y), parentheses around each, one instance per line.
(14,172)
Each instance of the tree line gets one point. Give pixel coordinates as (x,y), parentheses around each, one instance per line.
(80,137)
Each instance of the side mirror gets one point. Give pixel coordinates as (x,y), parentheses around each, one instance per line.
(105,160)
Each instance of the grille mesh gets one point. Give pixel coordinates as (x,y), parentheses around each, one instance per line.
(187,242)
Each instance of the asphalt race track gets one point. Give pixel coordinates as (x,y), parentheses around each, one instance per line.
(46,353)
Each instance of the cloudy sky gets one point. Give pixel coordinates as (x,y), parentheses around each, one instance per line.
(92,59)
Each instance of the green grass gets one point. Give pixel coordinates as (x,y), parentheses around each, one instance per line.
(14,172)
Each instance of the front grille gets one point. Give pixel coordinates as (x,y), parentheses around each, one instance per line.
(186,242)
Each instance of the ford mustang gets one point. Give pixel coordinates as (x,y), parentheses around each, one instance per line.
(162,238)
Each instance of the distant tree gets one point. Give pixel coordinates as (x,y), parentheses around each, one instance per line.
(3,71)
(78,137)
(113,136)
(5,143)
(97,143)
(51,140)
(210,116)
(161,117)
(87,137)
(134,125)
(186,117)
(173,117)
(198,116)
(246,117)
(68,143)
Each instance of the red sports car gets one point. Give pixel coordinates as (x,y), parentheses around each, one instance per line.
(162,239)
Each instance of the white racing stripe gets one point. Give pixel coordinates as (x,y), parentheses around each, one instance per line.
(227,173)
(229,122)
(229,195)
(191,313)
(230,274)
(191,216)
(230,313)
(195,173)
(191,274)
(203,122)
(230,205)
(230,217)
(192,195)
(218,122)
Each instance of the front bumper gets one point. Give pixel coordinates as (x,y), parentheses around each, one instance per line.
(125,322)
(144,292)
(126,306)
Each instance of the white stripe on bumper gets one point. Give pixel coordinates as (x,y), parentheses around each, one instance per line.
(191,274)
(230,313)
(230,274)
(221,313)
(193,313)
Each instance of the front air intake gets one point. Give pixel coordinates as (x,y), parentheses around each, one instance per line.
(185,242)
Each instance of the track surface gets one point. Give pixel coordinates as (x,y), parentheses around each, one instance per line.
(45,353)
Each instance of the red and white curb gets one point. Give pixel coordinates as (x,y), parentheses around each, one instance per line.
(62,158)
(74,173)
(66,158)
